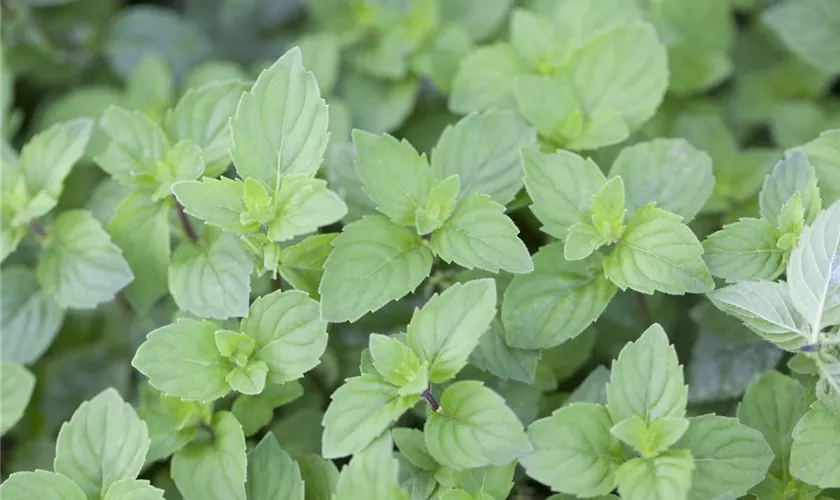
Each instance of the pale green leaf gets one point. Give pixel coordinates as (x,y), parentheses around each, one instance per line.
(556,302)
(665,477)
(824,154)
(373,262)
(30,319)
(537,41)
(412,445)
(448,327)
(593,389)
(137,146)
(378,105)
(574,451)
(42,485)
(321,54)
(487,483)
(213,469)
(218,202)
(104,442)
(149,86)
(280,126)
(481,21)
(272,474)
(302,265)
(789,176)
(809,28)
(816,441)
(302,205)
(474,428)
(398,364)
(744,250)
(494,355)
(249,379)
(319,475)
(133,489)
(256,412)
(182,360)
(439,205)
(485,79)
(650,440)
(211,279)
(371,474)
(550,105)
(16,386)
(81,267)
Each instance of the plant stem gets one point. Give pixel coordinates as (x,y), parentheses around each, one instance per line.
(427,395)
(185,223)
(643,310)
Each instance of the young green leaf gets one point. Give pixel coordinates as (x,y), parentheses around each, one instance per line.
(574,451)
(658,253)
(745,250)
(360,410)
(494,355)
(480,235)
(791,175)
(448,327)
(133,489)
(665,477)
(669,172)
(556,302)
(214,468)
(488,483)
(280,126)
(412,445)
(550,105)
(80,267)
(104,442)
(485,79)
(302,205)
(182,360)
(138,145)
(439,205)
(302,265)
(272,474)
(537,41)
(482,149)
(728,456)
(182,163)
(371,474)
(646,380)
(17,384)
(248,379)
(473,428)
(373,262)
(31,318)
(217,202)
(211,279)
(42,485)
(399,365)
(650,440)
(290,335)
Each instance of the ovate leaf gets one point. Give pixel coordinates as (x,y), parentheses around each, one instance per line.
(218,202)
(665,477)
(371,474)
(398,364)
(302,265)
(816,440)
(40,484)
(31,317)
(272,474)
(303,205)
(744,250)
(791,175)
(137,146)
(17,384)
(412,445)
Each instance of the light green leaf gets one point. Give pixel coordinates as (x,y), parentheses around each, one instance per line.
(211,279)
(249,379)
(321,54)
(473,428)
(439,205)
(647,380)
(17,384)
(256,412)
(182,360)
(30,319)
(487,482)
(373,262)
(218,202)
(824,154)
(809,28)
(658,253)
(574,451)
(744,250)
(137,146)
(377,105)
(670,172)
(302,206)
(485,79)
(42,485)
(214,469)
(182,163)
(728,456)
(360,410)
(399,365)
(149,86)
(394,175)
(561,186)
(537,41)
(483,150)
(665,477)
(290,335)
(494,355)
(280,126)
(319,475)
(302,265)
(412,445)
(581,241)
(766,308)
(556,302)
(480,21)
(80,266)
(593,389)
(550,105)
(480,235)
(133,489)
(140,228)
(371,474)
(272,474)
(448,327)
(816,440)
(814,272)
(104,442)
(789,176)
(650,440)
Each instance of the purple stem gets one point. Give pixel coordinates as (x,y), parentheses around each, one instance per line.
(427,395)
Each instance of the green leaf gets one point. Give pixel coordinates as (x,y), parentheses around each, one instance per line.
(593,389)
(182,360)
(104,442)
(399,365)
(17,384)
(373,262)
(302,205)
(321,53)
(149,86)
(42,485)
(360,410)
(371,474)
(494,355)
(140,228)
(290,335)
(824,154)
(485,79)
(814,272)
(658,253)
(448,327)
(319,475)
(272,474)
(480,235)
(439,205)
(561,186)
(745,250)
(211,279)
(280,126)
(31,318)
(256,412)
(665,477)
(537,41)
(474,428)
(302,265)
(556,302)
(249,379)
(647,380)
(214,469)
(138,145)
(412,445)
(574,451)
(604,225)
(394,175)
(728,456)
(650,440)
(670,172)
(550,105)
(487,482)
(482,149)
(789,176)
(377,105)
(133,489)
(810,29)
(814,456)
(80,266)
(766,308)
(217,202)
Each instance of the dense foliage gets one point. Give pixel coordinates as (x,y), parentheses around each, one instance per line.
(420,249)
